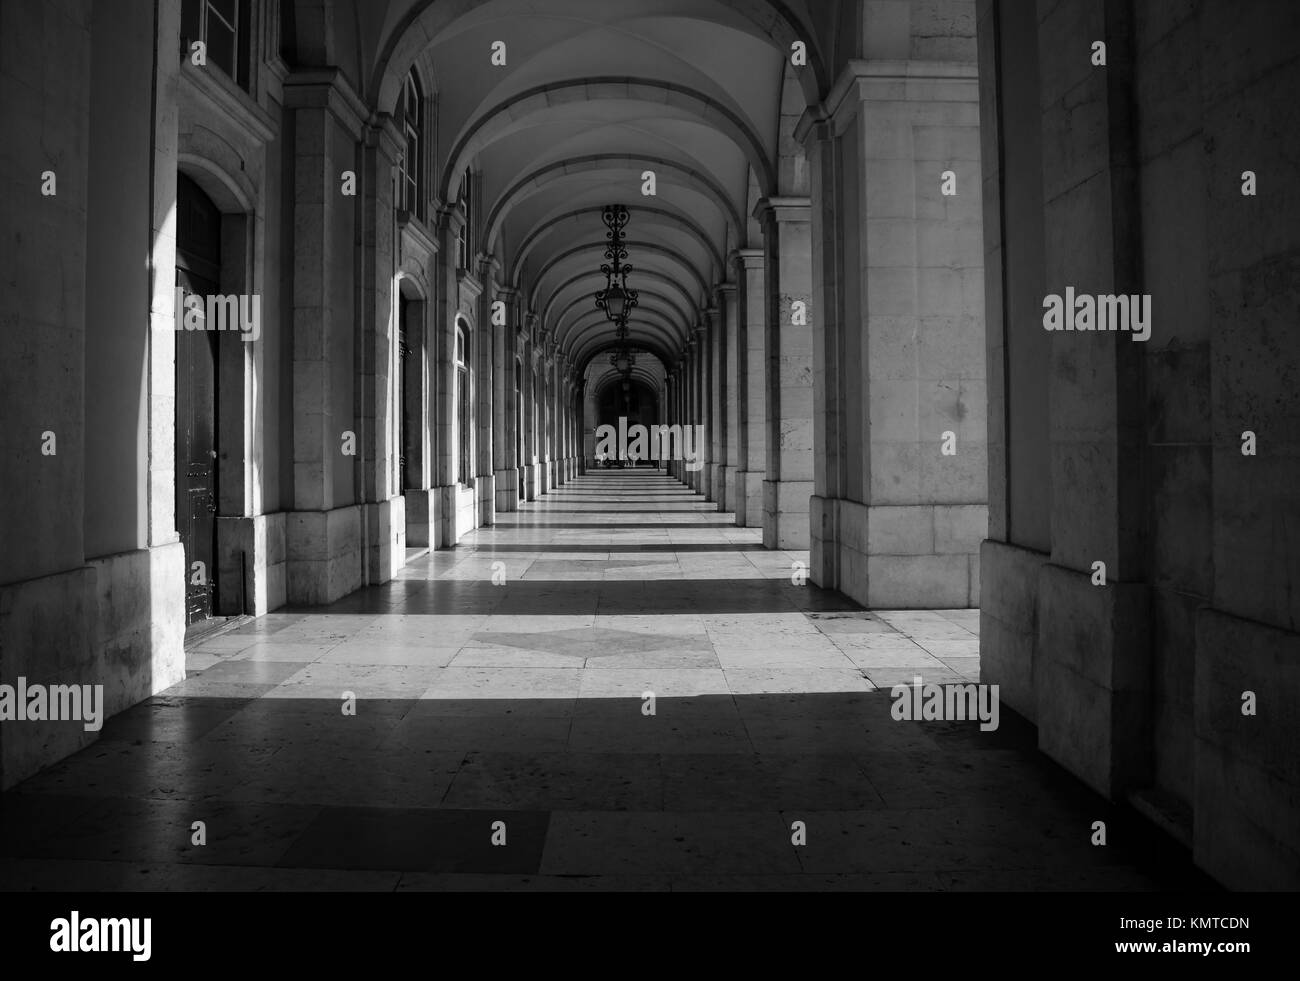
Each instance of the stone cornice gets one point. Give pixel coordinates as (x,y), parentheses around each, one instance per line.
(382,133)
(895,81)
(469,283)
(327,88)
(229,100)
(413,228)
(784,209)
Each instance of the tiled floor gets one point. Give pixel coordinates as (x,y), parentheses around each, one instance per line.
(507,681)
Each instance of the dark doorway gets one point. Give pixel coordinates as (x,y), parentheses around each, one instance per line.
(519,428)
(406,430)
(631,400)
(198,271)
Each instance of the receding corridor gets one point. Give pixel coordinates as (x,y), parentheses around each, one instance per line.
(490,443)
(504,680)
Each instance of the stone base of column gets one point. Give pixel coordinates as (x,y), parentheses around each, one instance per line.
(323,555)
(749,506)
(1009,577)
(718,484)
(1093,680)
(118,621)
(385,538)
(485,493)
(733,498)
(251,569)
(825,548)
(457,511)
(898,557)
(785,513)
(530,481)
(421,518)
(507,490)
(1245,840)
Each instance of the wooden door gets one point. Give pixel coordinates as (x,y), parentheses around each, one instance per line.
(197,272)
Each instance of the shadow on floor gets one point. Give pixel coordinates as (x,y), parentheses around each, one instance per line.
(592,793)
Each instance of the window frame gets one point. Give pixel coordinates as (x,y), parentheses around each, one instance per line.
(410,168)
(196,13)
(464,406)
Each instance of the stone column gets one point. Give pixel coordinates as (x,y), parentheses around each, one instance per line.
(750,396)
(1093,670)
(561,419)
(695,477)
(484,365)
(680,417)
(788,350)
(733,396)
(546,416)
(385,507)
(901,494)
(529,463)
(716,368)
(710,339)
(442,353)
(324,530)
(575,448)
(505,412)
(684,415)
(670,413)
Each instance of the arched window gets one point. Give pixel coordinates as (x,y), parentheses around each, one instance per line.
(411,169)
(464,440)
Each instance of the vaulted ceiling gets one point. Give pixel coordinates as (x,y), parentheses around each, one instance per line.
(593,94)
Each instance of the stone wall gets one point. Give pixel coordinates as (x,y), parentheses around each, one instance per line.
(1132,624)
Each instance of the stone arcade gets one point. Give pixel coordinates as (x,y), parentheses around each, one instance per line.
(842,260)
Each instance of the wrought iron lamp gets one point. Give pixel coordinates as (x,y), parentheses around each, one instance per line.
(616,299)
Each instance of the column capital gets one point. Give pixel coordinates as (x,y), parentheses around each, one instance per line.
(450,219)
(488,265)
(382,133)
(813,127)
(324,88)
(783,209)
(749,259)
